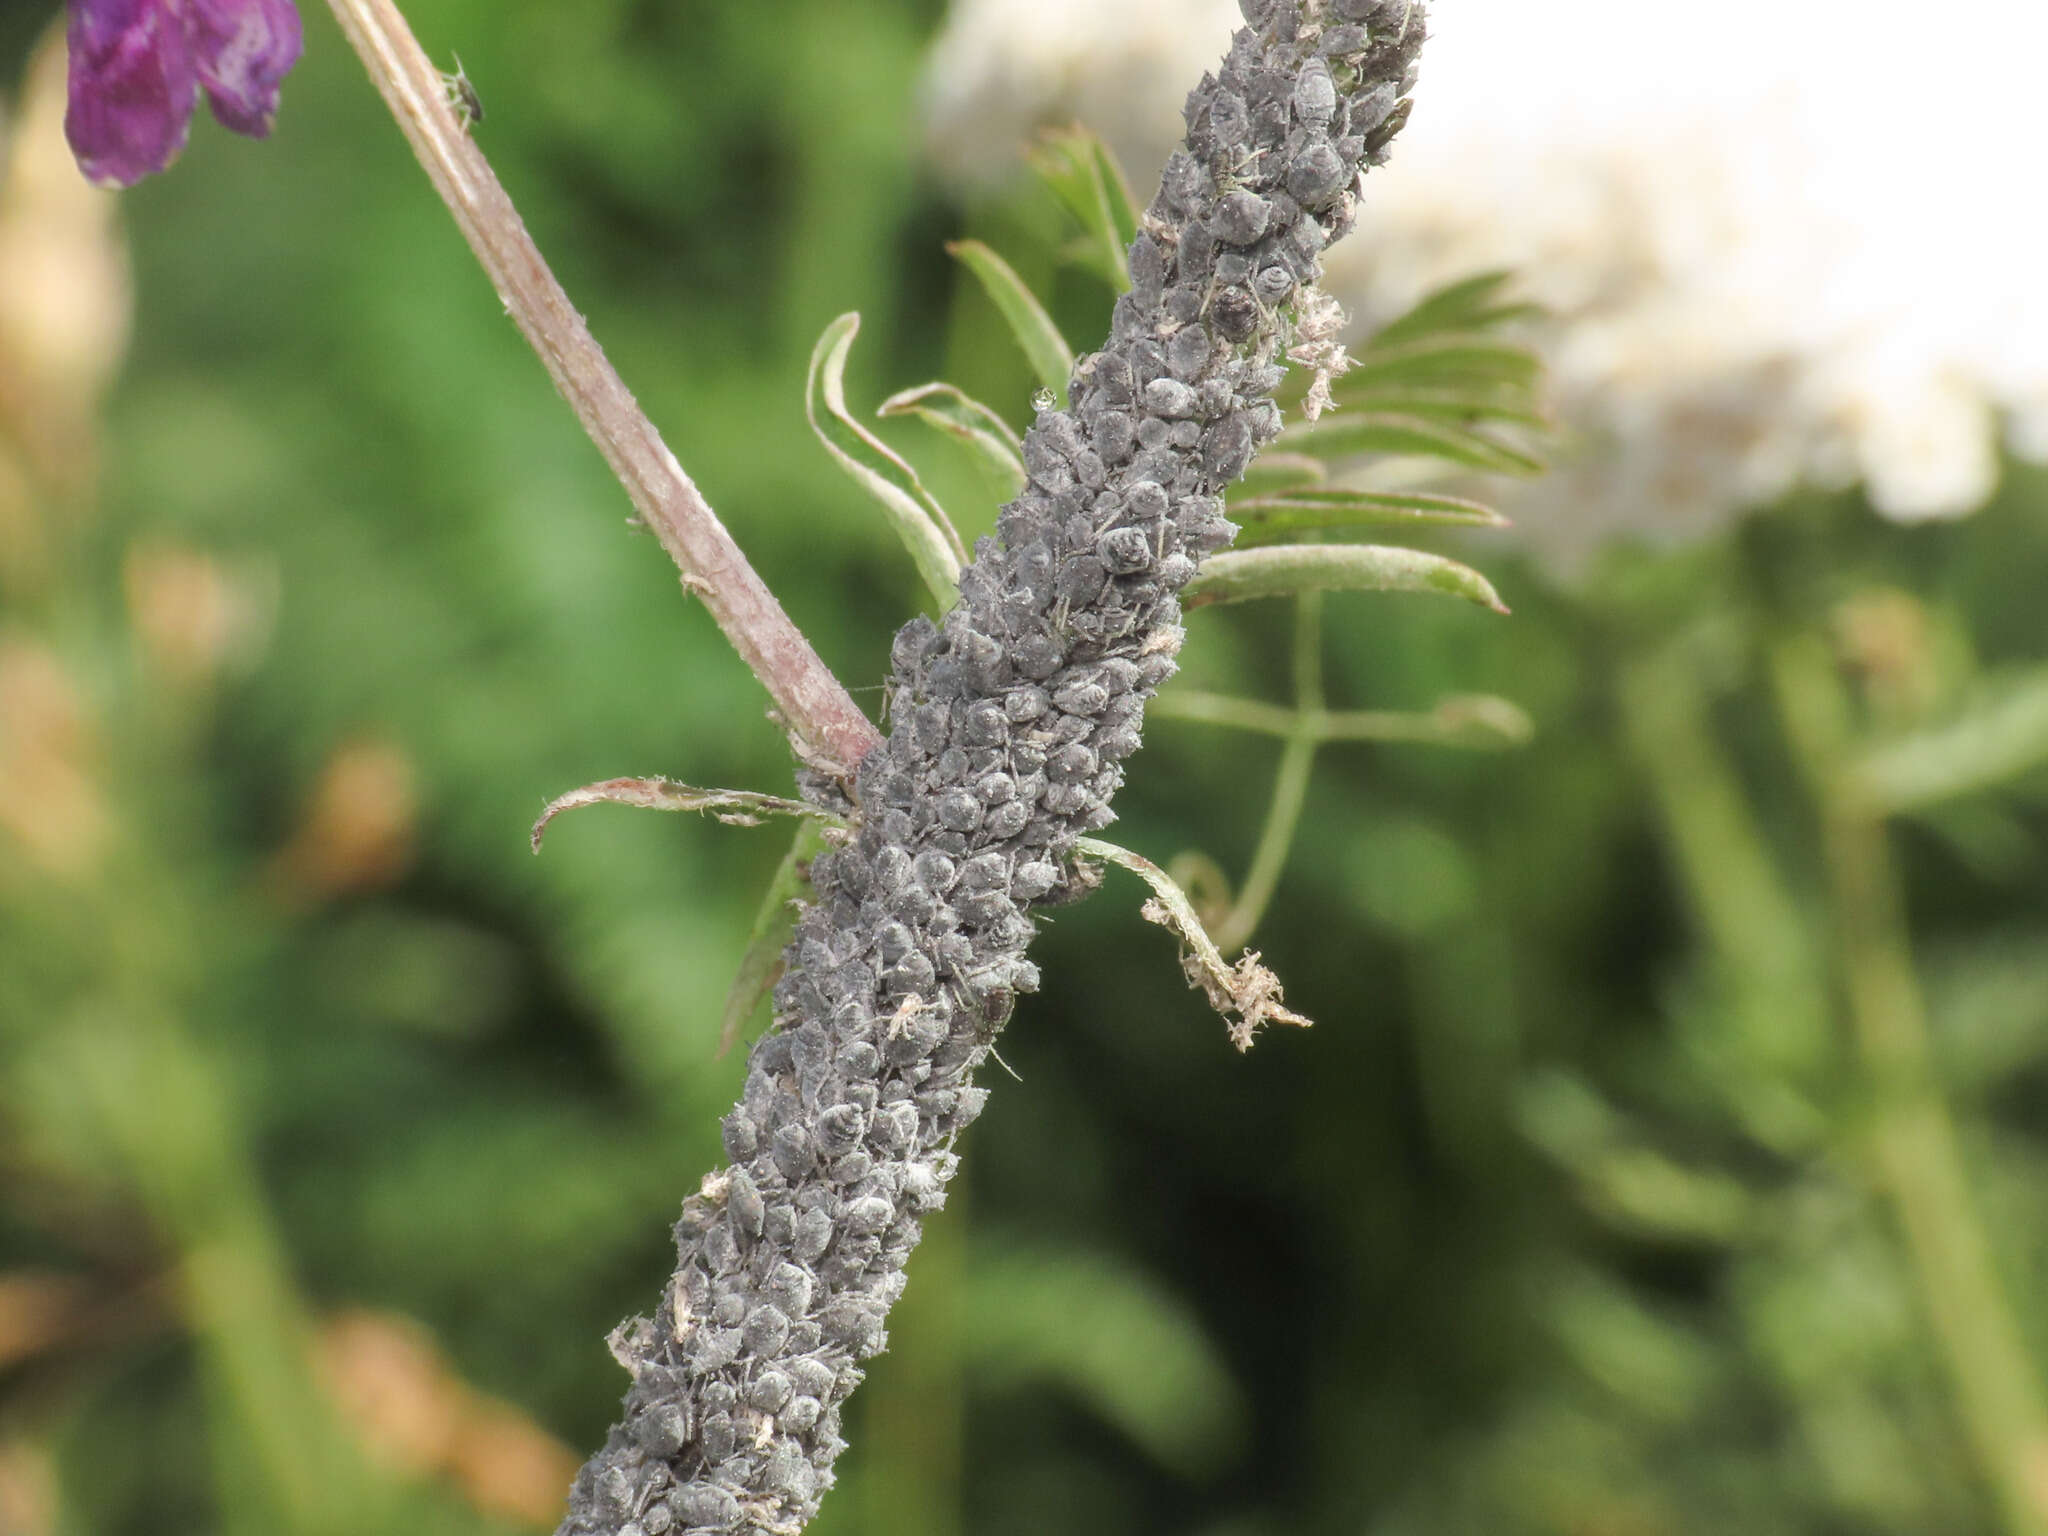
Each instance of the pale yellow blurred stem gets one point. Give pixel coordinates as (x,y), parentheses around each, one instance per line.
(1441,727)
(159,1104)
(1290,782)
(1765,949)
(1913,1138)
(1737,896)
(819,713)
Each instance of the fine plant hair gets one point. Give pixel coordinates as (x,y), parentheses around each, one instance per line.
(1012,718)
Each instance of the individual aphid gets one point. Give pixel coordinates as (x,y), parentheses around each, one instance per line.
(463,100)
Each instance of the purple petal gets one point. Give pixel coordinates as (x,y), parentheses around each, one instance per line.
(132,89)
(244,49)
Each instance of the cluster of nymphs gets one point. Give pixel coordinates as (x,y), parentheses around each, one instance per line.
(1011,719)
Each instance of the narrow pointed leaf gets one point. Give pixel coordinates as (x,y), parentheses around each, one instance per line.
(1343,434)
(1463,306)
(920,522)
(1051,359)
(1274,472)
(774,922)
(1086,252)
(1080,171)
(1286,569)
(1447,362)
(1114,192)
(967,421)
(1464,407)
(1267,517)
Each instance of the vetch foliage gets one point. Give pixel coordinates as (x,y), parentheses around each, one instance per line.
(1012,718)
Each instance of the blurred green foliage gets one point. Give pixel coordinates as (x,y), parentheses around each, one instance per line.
(1573,1216)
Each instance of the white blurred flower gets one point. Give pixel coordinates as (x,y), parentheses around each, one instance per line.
(1794,245)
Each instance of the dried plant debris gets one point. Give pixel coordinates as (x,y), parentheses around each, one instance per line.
(1011,717)
(734,807)
(1247,994)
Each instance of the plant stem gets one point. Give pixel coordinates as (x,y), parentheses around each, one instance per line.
(820,715)
(1476,721)
(1254,715)
(1913,1137)
(1290,782)
(1763,943)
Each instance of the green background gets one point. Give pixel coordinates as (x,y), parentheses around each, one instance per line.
(1569,1216)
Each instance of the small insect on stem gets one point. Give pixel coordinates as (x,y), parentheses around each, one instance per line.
(463,100)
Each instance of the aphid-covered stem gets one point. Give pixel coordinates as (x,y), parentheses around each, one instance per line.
(1012,716)
(823,720)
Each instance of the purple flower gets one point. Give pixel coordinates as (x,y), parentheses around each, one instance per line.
(137,66)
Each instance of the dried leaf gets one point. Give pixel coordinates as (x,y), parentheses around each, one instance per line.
(667,795)
(1246,994)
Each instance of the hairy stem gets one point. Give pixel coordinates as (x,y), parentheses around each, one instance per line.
(819,713)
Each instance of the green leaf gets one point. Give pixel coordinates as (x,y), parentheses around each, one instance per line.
(1286,569)
(1463,406)
(1111,1335)
(1044,348)
(774,923)
(1446,362)
(1271,472)
(2002,735)
(1079,169)
(1984,994)
(1625,1180)
(984,434)
(1266,517)
(1339,435)
(920,522)
(1462,306)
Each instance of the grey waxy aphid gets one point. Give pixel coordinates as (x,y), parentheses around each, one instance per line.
(1169,398)
(664,1429)
(1315,95)
(740,1134)
(769,1391)
(800,1414)
(1317,174)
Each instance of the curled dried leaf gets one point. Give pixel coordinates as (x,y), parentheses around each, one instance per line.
(735,807)
(1247,994)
